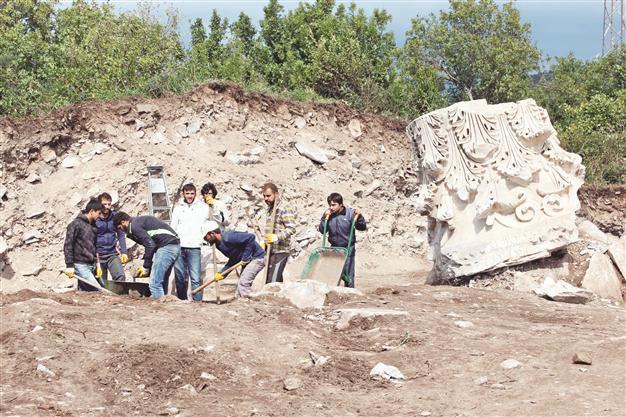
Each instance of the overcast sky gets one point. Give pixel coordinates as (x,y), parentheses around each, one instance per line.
(558,26)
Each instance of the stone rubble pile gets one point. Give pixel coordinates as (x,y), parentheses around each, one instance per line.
(58,166)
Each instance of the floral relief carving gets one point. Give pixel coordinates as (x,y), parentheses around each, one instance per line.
(496,177)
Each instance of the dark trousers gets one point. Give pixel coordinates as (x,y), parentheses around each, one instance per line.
(276,267)
(112,264)
(348,270)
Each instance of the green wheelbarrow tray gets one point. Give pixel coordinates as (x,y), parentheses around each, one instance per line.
(325,264)
(125,287)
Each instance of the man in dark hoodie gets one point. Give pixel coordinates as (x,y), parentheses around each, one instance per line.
(161,245)
(108,239)
(340,219)
(80,246)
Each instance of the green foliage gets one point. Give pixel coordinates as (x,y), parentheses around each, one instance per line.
(482,51)
(55,57)
(587,103)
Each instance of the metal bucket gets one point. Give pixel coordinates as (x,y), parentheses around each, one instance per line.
(125,287)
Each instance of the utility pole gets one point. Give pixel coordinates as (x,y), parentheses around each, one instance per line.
(613,28)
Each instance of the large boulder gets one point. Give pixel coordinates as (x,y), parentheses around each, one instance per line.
(304,293)
(498,189)
(602,278)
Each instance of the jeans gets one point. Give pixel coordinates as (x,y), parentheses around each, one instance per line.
(162,264)
(86,272)
(250,271)
(112,263)
(188,265)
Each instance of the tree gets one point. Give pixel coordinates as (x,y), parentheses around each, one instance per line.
(217,34)
(243,30)
(198,34)
(481,50)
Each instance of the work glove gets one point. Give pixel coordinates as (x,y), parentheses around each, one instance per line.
(262,245)
(271,238)
(209,199)
(218,277)
(69,272)
(142,273)
(123,258)
(98,271)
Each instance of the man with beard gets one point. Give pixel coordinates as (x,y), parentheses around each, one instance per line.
(277,234)
(188,217)
(110,258)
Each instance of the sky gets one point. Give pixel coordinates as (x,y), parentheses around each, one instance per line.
(558,26)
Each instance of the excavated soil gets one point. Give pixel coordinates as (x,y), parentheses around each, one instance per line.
(122,356)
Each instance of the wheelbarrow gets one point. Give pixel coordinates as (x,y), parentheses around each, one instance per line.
(125,287)
(326,263)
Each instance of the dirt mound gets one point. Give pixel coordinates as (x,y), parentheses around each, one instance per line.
(605,206)
(52,164)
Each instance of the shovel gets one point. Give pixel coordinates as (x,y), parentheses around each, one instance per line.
(224,274)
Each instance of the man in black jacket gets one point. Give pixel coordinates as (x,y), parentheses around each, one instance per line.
(339,226)
(80,246)
(161,244)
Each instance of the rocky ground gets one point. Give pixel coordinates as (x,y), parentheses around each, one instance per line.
(488,347)
(462,352)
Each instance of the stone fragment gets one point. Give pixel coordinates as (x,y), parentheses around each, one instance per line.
(146,108)
(31,236)
(354,126)
(31,270)
(303,293)
(347,314)
(33,178)
(193,126)
(582,358)
(488,206)
(481,380)
(34,212)
(375,185)
(312,152)
(3,246)
(463,324)
(387,372)
(602,278)
(588,230)
(252,156)
(206,375)
(43,370)
(318,360)
(563,292)
(70,162)
(3,191)
(510,364)
(292,383)
(36,329)
(617,252)
(189,388)
(48,155)
(299,122)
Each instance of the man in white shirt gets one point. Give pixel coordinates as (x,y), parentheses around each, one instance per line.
(187,219)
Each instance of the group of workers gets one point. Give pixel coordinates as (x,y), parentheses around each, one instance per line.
(95,242)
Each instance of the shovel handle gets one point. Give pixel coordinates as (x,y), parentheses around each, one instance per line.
(224,274)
